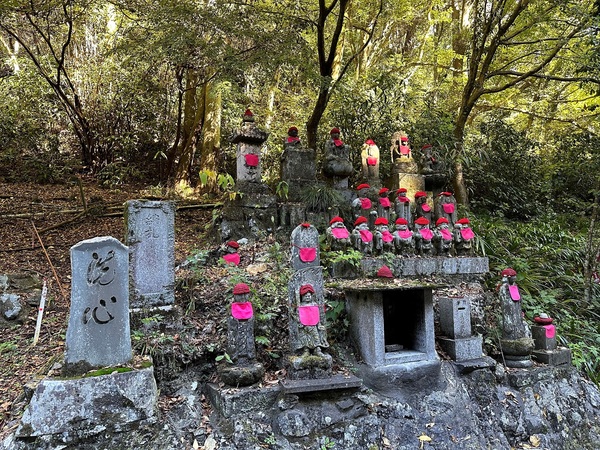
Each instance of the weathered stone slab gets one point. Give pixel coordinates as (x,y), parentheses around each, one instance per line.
(462,349)
(334,382)
(105,402)
(558,357)
(469,365)
(229,402)
(151,239)
(455,317)
(305,247)
(98,332)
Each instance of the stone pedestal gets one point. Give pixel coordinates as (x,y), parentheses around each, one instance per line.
(546,349)
(462,349)
(309,367)
(298,170)
(241,375)
(411,181)
(455,324)
(557,357)
(517,352)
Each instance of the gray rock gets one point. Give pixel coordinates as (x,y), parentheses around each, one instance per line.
(10,306)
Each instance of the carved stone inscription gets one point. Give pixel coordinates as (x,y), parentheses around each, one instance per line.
(151,238)
(98,332)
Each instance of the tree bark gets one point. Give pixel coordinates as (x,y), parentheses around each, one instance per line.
(211,137)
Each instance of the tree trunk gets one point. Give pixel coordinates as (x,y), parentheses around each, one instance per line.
(458,180)
(193,113)
(211,136)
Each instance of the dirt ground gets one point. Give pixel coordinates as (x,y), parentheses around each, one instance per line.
(38,226)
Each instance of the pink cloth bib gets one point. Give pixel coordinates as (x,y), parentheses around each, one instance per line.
(371,161)
(340,233)
(448,208)
(385,202)
(403,199)
(365,203)
(251,159)
(514,292)
(338,142)
(241,311)
(232,258)
(425,207)
(404,150)
(309,315)
(426,233)
(550,331)
(291,139)
(405,234)
(387,236)
(467,234)
(366,235)
(307,254)
(446,235)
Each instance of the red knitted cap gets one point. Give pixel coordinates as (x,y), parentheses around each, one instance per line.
(509,272)
(441,220)
(306,288)
(241,288)
(401,221)
(336,219)
(381,221)
(422,221)
(359,220)
(385,272)
(233,244)
(362,186)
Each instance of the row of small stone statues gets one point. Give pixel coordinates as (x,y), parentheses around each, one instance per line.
(369,205)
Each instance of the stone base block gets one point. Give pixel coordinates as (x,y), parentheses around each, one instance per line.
(76,406)
(309,367)
(558,357)
(335,382)
(462,349)
(241,375)
(291,214)
(229,402)
(518,362)
(470,365)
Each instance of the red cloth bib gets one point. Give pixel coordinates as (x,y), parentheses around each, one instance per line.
(448,208)
(291,139)
(338,142)
(251,159)
(425,207)
(405,234)
(513,289)
(403,199)
(467,234)
(385,202)
(241,311)
(366,235)
(446,235)
(426,233)
(365,203)
(309,315)
(387,236)
(232,258)
(307,254)
(371,161)
(340,233)
(404,150)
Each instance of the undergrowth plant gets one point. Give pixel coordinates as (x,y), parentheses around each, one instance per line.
(549,255)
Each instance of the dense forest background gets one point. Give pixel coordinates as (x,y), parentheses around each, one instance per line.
(506,92)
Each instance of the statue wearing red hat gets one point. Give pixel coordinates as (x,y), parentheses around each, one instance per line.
(338,236)
(442,237)
(310,338)
(404,241)
(423,237)
(383,241)
(464,238)
(370,161)
(362,237)
(445,206)
(402,206)
(336,162)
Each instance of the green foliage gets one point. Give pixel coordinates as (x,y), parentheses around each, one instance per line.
(506,176)
(321,198)
(225,357)
(223,181)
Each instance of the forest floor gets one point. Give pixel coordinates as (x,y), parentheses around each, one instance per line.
(38,226)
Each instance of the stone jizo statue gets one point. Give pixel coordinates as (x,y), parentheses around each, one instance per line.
(404,242)
(423,237)
(312,335)
(338,236)
(336,163)
(370,160)
(445,206)
(442,237)
(464,238)
(362,237)
(422,208)
(384,205)
(231,255)
(383,241)
(402,206)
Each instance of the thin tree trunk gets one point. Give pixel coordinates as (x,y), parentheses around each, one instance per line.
(211,136)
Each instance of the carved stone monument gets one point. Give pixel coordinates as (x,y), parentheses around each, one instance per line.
(336,163)
(150,236)
(455,325)
(243,370)
(98,332)
(516,342)
(305,247)
(370,161)
(252,213)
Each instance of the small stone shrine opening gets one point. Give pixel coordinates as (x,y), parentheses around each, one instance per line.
(392,325)
(403,321)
